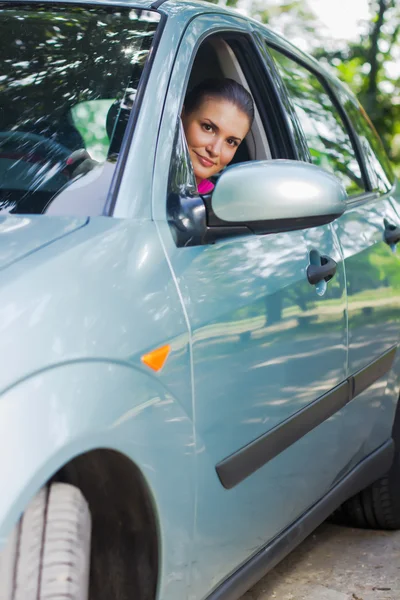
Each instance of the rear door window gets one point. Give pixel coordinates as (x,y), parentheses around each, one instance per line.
(328,140)
(68,81)
(378,164)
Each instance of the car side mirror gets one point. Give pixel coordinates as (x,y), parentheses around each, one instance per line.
(276,195)
(257,197)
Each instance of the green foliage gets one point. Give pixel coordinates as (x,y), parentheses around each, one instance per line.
(90,120)
(368,66)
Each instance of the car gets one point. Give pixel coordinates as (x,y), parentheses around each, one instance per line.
(191,383)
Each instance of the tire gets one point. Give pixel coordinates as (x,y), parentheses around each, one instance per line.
(47,556)
(378,506)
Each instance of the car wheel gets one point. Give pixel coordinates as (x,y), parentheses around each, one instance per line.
(48,553)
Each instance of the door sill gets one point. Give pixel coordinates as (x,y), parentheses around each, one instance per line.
(366,472)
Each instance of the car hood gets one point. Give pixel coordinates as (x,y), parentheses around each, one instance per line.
(22,235)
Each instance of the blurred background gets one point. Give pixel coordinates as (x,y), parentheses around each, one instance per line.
(358,39)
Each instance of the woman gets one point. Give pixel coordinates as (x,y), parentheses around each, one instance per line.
(216,117)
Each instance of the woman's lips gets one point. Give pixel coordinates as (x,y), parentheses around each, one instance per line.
(204,161)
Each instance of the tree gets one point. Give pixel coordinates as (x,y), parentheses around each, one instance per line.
(292,18)
(368,67)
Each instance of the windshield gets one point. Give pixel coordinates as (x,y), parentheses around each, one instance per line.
(68,80)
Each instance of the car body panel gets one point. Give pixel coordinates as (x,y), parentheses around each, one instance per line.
(84,303)
(373,292)
(373,280)
(21,236)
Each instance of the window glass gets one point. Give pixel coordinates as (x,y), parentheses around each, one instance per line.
(328,140)
(378,164)
(90,117)
(182,181)
(68,80)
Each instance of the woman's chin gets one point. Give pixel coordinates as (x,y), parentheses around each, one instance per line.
(202,174)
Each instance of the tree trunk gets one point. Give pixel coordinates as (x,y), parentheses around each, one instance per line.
(372,89)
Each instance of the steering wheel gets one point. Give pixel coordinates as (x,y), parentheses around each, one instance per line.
(39,170)
(44,147)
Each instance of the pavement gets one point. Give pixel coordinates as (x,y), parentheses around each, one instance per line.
(336,563)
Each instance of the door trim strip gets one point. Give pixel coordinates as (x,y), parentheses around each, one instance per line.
(245,461)
(364,378)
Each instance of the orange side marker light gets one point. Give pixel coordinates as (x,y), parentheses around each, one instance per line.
(156,358)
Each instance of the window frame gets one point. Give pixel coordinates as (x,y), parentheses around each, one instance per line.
(341,90)
(268,100)
(261,84)
(113,191)
(282,97)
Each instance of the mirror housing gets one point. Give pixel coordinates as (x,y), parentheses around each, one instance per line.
(276,195)
(257,197)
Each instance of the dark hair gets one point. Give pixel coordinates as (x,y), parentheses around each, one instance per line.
(224,89)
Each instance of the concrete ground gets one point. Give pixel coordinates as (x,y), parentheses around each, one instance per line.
(336,563)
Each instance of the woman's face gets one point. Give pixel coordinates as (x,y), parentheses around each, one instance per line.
(213,132)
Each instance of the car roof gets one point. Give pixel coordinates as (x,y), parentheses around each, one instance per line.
(167,6)
(144,4)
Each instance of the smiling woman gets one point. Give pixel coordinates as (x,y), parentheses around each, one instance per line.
(216,117)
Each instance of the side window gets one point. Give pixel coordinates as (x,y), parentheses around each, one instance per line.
(328,140)
(218,58)
(378,164)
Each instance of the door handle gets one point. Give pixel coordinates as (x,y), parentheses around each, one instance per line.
(392,233)
(326,270)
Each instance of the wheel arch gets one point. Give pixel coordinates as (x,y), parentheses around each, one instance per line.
(126,541)
(122,423)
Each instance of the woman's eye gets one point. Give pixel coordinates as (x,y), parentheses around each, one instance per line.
(232,142)
(207,127)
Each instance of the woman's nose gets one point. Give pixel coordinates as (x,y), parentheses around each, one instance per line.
(214,148)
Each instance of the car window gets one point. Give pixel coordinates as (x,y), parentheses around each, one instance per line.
(328,139)
(377,162)
(90,118)
(68,82)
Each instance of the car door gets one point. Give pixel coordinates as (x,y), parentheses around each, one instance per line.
(266,344)
(369,232)
(341,139)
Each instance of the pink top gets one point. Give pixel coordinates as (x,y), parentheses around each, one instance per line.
(205,186)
